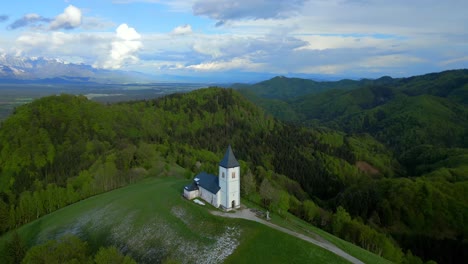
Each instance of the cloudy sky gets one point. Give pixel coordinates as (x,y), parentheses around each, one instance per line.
(340,38)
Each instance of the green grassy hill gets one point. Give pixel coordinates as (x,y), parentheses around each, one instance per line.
(152,222)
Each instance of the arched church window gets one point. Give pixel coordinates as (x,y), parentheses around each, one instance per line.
(223,174)
(233,175)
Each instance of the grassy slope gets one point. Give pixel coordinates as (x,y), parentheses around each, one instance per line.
(150,221)
(300,226)
(355,251)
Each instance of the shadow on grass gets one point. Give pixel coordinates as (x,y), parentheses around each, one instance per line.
(96,238)
(31,235)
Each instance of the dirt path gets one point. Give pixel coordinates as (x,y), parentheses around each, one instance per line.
(249,215)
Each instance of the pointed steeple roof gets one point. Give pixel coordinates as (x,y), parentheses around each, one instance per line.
(229,160)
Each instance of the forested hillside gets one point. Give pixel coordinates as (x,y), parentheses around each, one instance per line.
(421,121)
(274,88)
(69,147)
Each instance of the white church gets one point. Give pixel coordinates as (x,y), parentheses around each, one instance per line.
(222,191)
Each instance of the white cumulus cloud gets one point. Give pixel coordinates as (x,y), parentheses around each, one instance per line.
(73,47)
(124,48)
(182,30)
(69,19)
(124,32)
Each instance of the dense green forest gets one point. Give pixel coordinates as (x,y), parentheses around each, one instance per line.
(386,198)
(67,249)
(421,123)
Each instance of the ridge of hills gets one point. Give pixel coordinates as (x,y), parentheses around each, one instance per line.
(445,84)
(422,121)
(70,144)
(301,100)
(404,114)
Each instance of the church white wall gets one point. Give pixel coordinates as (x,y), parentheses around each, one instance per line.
(234,188)
(190,195)
(222,185)
(230,188)
(217,199)
(209,197)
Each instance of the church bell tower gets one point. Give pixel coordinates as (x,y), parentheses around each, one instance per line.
(229,180)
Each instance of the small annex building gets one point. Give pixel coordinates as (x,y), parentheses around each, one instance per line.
(222,191)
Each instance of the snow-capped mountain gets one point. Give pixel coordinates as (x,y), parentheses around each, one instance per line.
(38,68)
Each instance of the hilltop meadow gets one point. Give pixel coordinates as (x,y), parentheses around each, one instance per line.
(150,222)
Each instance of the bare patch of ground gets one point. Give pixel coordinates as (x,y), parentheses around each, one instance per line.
(155,240)
(367,168)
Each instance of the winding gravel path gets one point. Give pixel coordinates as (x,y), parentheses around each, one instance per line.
(249,215)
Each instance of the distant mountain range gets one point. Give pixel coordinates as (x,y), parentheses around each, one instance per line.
(17,69)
